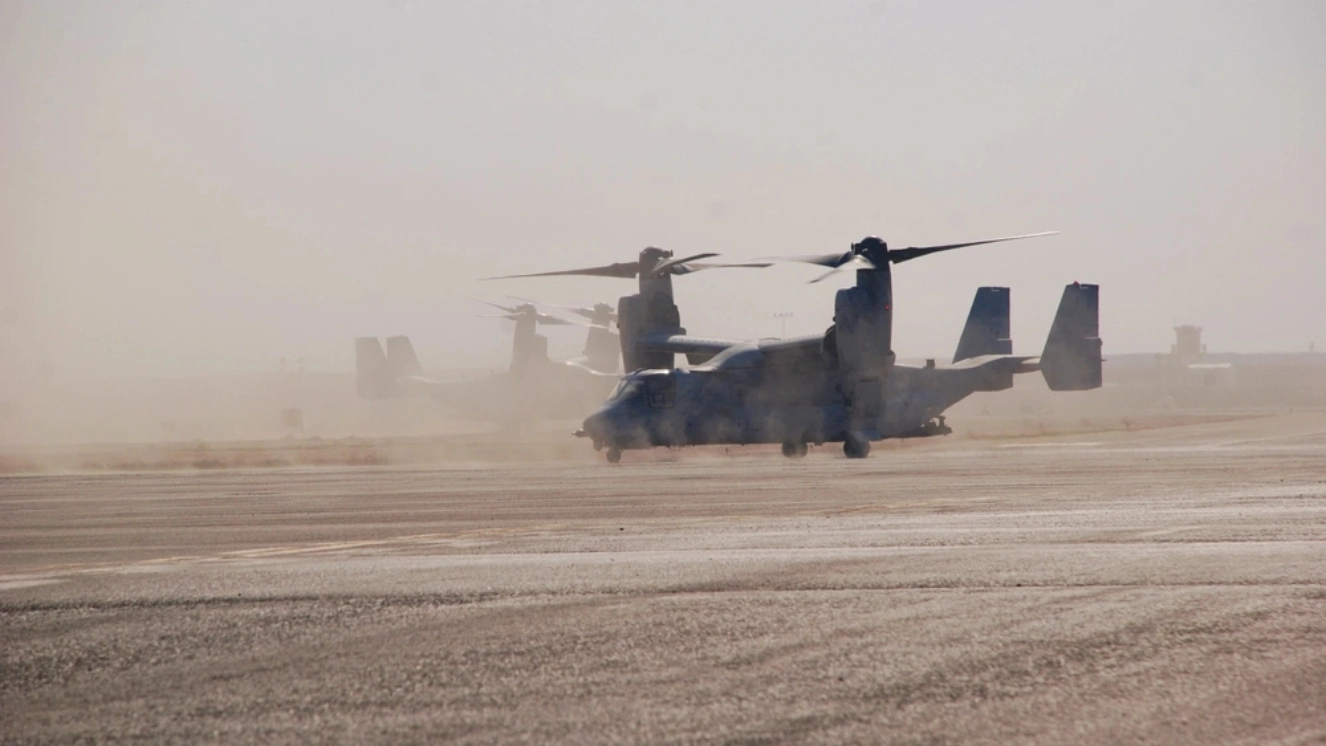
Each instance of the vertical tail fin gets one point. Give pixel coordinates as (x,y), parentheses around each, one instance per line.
(378,375)
(372,378)
(987,329)
(528,347)
(1071,360)
(602,349)
(401,360)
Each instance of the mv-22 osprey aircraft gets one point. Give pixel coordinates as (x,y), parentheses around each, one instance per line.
(533,387)
(843,386)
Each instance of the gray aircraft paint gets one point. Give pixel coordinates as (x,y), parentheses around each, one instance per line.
(844,386)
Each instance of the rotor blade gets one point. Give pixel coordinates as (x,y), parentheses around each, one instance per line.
(670,264)
(824,260)
(912,252)
(826,275)
(690,267)
(686,269)
(590,313)
(621,269)
(856,259)
(548,319)
(498,306)
(578,310)
(590,325)
(541,318)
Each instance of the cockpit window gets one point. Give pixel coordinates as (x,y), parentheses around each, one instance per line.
(626,388)
(656,388)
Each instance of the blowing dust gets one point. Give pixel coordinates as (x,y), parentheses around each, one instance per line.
(316,419)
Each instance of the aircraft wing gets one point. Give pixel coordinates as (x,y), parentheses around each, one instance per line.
(793,350)
(696,349)
(582,366)
(700,350)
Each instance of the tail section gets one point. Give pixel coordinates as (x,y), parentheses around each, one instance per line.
(528,348)
(372,377)
(401,360)
(602,349)
(1071,360)
(988,329)
(378,375)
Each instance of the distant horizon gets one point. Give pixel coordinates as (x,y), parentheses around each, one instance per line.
(478,371)
(208,187)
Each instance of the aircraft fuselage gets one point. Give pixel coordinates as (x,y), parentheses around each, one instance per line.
(784,404)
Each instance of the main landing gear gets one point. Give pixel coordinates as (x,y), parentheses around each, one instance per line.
(795,450)
(614,455)
(855,448)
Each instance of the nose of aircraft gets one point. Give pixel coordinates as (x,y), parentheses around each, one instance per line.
(596,426)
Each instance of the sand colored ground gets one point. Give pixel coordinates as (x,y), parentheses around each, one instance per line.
(1161,584)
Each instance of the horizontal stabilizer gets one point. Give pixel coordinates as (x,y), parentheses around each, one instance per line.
(372,381)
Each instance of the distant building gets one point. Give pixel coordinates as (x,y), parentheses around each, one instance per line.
(1185,369)
(1211,375)
(1188,341)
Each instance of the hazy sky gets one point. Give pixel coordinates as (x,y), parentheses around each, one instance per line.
(206,187)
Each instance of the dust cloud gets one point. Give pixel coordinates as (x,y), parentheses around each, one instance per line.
(204,204)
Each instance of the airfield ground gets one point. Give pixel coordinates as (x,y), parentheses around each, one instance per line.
(1162,583)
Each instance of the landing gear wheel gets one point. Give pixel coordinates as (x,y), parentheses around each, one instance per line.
(853,448)
(614,455)
(794,450)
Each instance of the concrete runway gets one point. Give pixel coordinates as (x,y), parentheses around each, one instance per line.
(1161,586)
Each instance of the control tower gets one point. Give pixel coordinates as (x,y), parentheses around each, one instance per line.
(1188,342)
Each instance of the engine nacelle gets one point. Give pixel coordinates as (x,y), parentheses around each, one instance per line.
(601,349)
(527,353)
(639,315)
(863,331)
